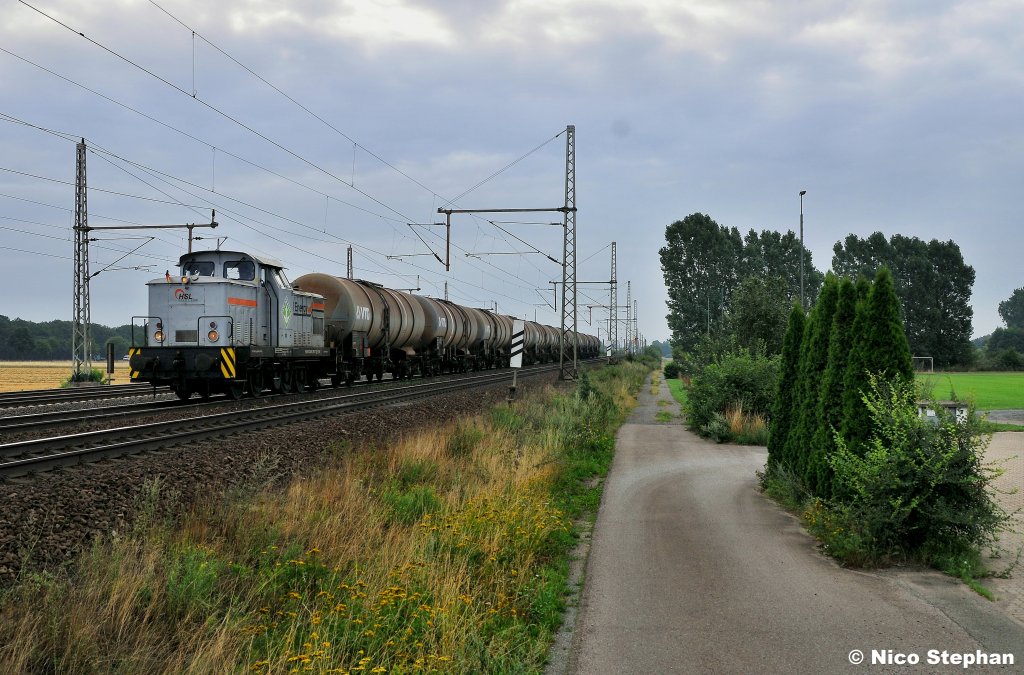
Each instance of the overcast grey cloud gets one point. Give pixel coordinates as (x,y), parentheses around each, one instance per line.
(898,117)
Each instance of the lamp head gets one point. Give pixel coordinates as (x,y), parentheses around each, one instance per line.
(803,192)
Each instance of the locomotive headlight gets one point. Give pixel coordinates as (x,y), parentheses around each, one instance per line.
(158,336)
(212,335)
(184,279)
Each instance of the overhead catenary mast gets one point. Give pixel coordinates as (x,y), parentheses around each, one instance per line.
(568,342)
(81,350)
(629,317)
(568,347)
(613,302)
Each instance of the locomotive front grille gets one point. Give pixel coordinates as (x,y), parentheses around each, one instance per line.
(186,336)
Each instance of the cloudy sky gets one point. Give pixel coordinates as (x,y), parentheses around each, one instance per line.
(894,116)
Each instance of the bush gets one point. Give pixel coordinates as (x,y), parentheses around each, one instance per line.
(918,491)
(94,375)
(1008,359)
(717,429)
(671,370)
(741,378)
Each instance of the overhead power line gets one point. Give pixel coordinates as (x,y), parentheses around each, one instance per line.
(256,132)
(218,111)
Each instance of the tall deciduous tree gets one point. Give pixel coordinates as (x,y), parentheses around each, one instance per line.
(757,314)
(704,263)
(771,254)
(1012,309)
(932,282)
(880,347)
(701,263)
(783,410)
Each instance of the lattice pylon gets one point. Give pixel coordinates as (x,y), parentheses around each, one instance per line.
(567,358)
(81,351)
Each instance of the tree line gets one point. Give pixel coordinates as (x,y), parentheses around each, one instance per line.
(22,340)
(720,282)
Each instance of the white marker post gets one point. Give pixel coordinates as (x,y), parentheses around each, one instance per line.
(516,362)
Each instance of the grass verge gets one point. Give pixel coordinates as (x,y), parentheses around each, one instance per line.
(678,389)
(445,552)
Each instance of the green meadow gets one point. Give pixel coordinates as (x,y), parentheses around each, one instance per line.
(989,391)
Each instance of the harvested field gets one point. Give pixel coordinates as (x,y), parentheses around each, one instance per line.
(24,375)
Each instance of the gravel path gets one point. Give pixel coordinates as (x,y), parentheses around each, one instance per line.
(47,519)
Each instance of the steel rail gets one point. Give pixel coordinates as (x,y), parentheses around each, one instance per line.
(29,421)
(14,399)
(44,454)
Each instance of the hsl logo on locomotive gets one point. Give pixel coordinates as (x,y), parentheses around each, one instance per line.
(181,295)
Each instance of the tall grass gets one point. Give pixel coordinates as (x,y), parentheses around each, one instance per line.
(446,552)
(746,428)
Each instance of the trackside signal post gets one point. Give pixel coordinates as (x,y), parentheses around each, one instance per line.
(516,352)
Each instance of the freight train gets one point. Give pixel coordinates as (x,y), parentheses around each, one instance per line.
(231,322)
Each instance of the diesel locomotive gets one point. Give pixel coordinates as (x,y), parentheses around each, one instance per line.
(231,322)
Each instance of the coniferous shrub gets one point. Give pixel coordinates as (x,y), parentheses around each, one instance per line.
(917,489)
(830,398)
(781,421)
(813,361)
(880,348)
(791,450)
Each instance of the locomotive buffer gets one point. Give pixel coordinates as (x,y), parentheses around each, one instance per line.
(516,353)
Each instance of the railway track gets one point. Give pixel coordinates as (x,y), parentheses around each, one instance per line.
(43,454)
(36,420)
(15,399)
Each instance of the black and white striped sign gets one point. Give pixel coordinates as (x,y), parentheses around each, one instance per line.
(518,337)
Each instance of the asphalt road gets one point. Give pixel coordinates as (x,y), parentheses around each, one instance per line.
(692,570)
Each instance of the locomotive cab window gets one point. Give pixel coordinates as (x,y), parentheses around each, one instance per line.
(242,270)
(201,268)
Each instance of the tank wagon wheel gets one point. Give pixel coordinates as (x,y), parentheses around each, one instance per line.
(283,381)
(183,394)
(336,380)
(204,390)
(350,377)
(298,380)
(312,381)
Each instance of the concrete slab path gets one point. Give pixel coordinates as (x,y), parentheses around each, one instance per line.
(692,570)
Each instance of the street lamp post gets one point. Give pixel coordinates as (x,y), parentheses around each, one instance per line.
(803,305)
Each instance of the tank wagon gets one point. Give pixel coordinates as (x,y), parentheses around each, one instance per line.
(231,322)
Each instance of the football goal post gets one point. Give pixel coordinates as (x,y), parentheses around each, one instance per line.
(924,364)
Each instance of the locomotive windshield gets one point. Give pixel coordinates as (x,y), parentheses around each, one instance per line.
(243,270)
(197,268)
